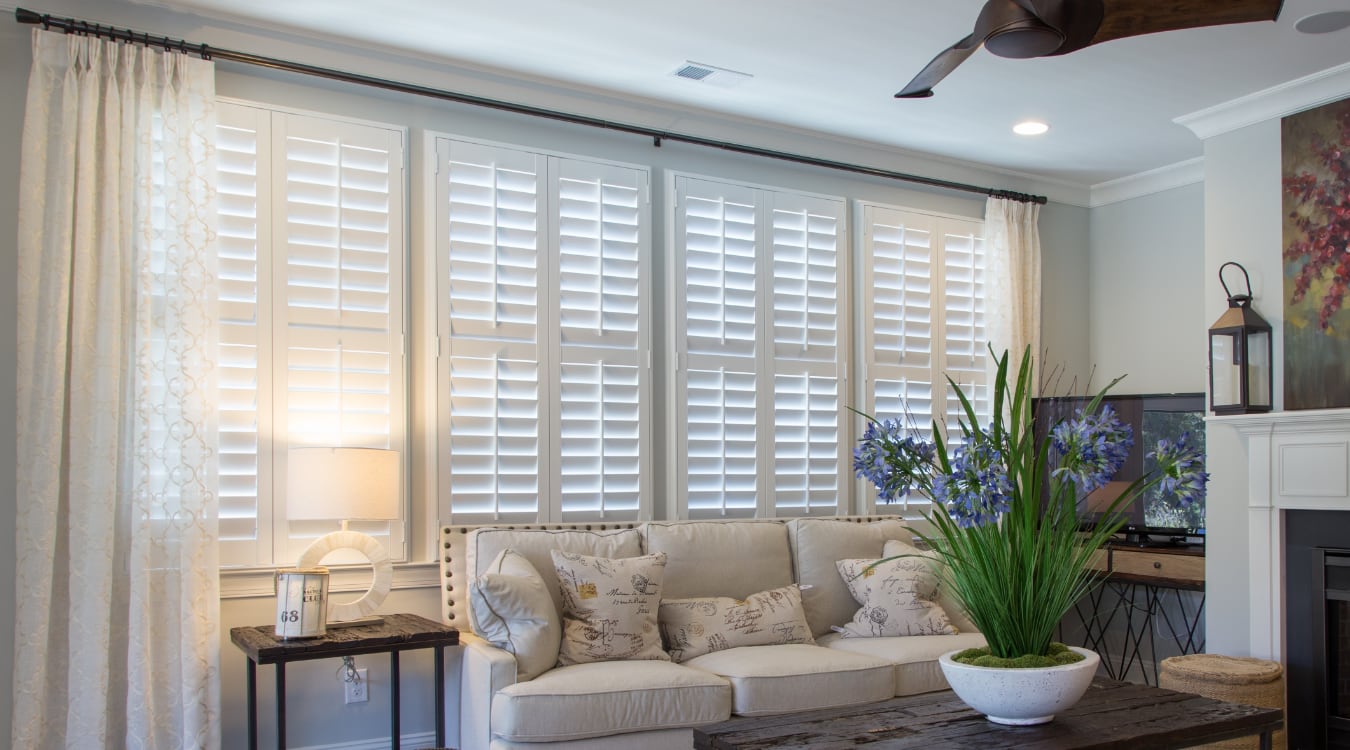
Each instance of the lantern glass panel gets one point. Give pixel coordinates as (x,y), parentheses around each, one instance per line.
(1226,372)
(1258,368)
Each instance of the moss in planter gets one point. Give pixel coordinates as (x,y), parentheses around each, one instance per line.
(1058,655)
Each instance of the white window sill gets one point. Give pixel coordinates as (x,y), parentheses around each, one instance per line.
(243,583)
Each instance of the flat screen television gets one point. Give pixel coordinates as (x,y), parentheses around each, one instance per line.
(1152,520)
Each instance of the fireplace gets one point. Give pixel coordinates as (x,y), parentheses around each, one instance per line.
(1317,628)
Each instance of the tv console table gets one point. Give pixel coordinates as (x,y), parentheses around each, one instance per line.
(1144,581)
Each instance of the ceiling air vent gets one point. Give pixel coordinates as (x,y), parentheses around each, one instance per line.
(711,74)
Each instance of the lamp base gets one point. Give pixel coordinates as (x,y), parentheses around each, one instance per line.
(366,605)
(372,620)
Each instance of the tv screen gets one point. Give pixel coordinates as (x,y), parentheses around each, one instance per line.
(1151,417)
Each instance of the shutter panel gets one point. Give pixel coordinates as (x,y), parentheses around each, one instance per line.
(923,280)
(491,201)
(243,371)
(807,361)
(717,235)
(338,260)
(602,341)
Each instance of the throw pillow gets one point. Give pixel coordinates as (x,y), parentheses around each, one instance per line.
(514,611)
(897,598)
(693,627)
(609,607)
(950,604)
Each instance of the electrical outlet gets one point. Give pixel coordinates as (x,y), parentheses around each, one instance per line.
(358,690)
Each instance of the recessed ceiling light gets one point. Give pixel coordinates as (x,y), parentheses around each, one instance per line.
(1030,127)
(1324,23)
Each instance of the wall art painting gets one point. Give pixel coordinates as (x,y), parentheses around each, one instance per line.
(1316,187)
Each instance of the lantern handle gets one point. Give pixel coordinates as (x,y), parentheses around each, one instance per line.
(1241,297)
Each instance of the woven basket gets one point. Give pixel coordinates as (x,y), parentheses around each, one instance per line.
(1253,682)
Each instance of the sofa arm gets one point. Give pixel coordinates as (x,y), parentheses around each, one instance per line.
(485,670)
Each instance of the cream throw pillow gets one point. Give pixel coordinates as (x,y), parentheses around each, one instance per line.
(514,611)
(694,627)
(897,597)
(609,607)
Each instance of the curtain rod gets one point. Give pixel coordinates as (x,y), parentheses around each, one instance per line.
(207,52)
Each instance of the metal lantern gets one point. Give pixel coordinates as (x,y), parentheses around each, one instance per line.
(1240,355)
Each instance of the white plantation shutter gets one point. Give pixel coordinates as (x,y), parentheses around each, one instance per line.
(313,308)
(545,386)
(758,300)
(923,319)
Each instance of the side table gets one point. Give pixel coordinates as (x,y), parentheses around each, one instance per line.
(396,633)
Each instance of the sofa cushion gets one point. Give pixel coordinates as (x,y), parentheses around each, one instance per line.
(610,607)
(604,698)
(702,553)
(797,677)
(817,543)
(535,545)
(914,658)
(515,613)
(956,611)
(693,627)
(896,598)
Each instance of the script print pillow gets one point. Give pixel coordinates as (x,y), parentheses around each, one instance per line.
(897,598)
(609,607)
(693,627)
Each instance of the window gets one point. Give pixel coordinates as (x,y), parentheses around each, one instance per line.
(543,293)
(760,332)
(922,318)
(312,314)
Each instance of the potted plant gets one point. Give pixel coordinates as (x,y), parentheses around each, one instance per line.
(1004,527)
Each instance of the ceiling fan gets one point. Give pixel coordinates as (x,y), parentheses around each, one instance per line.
(1043,28)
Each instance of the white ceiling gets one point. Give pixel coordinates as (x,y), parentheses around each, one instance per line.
(832,66)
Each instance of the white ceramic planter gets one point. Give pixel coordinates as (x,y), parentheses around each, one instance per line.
(1020,696)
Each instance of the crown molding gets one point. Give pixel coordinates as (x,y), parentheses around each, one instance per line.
(1176,175)
(1297,95)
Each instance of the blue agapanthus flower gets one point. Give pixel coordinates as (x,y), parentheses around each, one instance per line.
(891,459)
(1091,448)
(977,491)
(1179,469)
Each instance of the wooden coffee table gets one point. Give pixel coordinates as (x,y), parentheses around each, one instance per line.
(1110,715)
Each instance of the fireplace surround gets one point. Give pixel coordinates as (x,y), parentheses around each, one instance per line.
(1298,524)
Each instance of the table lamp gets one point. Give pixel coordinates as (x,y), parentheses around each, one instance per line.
(346,484)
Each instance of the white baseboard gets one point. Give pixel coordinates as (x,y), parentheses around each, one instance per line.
(407,741)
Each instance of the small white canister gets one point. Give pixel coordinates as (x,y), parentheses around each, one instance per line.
(302,602)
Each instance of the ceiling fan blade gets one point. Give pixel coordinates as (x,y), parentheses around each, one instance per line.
(946,61)
(1125,18)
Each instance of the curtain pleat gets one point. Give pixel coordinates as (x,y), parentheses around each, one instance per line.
(1013,280)
(117,623)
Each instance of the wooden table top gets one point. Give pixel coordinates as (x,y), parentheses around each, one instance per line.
(398,632)
(1111,715)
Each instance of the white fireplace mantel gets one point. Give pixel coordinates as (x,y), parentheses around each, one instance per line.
(1297,460)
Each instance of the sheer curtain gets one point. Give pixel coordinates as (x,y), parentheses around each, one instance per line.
(116,641)
(1012,247)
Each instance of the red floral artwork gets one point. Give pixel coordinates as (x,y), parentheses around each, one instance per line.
(1322,218)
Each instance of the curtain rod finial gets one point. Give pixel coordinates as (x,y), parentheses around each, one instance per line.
(27,16)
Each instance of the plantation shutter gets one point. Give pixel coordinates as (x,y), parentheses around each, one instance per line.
(546,383)
(758,301)
(243,370)
(806,363)
(312,314)
(923,319)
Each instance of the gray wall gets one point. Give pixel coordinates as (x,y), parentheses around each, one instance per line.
(1146,306)
(318,715)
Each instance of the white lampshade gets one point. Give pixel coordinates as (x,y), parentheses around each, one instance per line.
(342,484)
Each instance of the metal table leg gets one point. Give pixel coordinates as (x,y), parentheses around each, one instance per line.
(251,679)
(281,705)
(393,708)
(439,657)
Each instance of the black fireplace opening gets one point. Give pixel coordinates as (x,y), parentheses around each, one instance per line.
(1317,629)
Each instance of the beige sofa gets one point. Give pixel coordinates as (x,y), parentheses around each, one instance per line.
(653,704)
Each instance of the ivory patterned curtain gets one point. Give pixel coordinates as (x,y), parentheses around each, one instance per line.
(117,622)
(1012,246)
